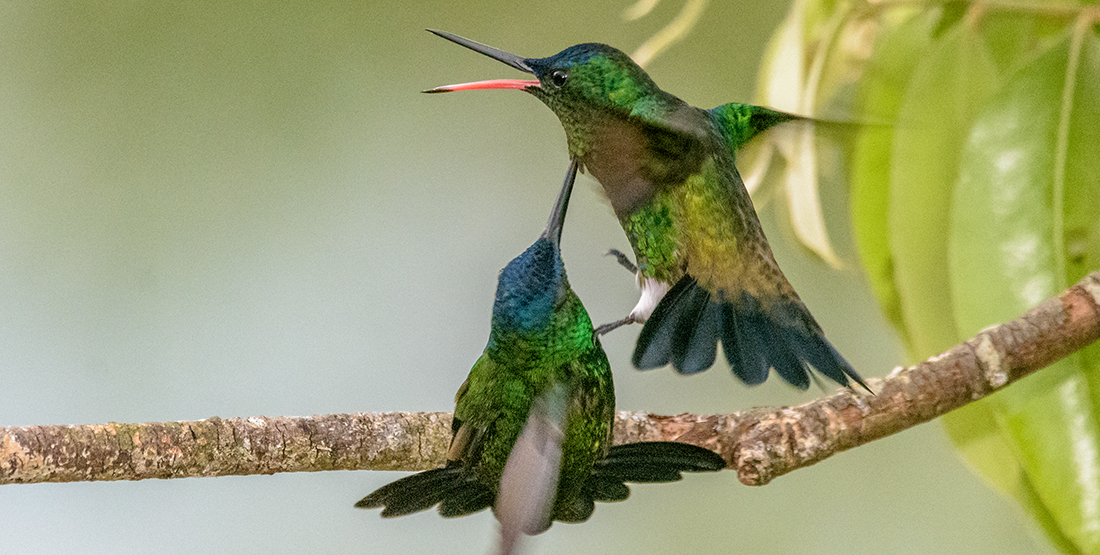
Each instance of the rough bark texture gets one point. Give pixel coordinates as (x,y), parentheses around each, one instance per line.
(774,442)
(760,444)
(224,447)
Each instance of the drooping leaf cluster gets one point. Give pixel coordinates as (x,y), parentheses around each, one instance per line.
(980,198)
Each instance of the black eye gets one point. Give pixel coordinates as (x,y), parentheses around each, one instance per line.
(558,78)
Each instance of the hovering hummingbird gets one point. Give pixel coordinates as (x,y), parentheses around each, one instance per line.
(705,269)
(532,423)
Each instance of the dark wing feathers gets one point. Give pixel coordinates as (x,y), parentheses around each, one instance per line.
(647,462)
(672,455)
(606,489)
(459,493)
(454,488)
(467,499)
(695,332)
(654,348)
(425,490)
(688,322)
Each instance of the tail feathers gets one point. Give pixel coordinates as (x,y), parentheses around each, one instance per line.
(647,462)
(468,499)
(459,493)
(793,340)
(745,352)
(688,322)
(695,335)
(655,342)
(762,343)
(606,489)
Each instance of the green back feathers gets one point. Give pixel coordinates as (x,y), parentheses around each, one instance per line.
(741,123)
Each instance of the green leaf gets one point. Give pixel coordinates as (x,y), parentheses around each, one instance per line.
(894,57)
(1056,435)
(990,454)
(1024,207)
(948,87)
(1082,189)
(1010,36)
(973,430)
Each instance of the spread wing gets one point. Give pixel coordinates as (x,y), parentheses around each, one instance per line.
(636,155)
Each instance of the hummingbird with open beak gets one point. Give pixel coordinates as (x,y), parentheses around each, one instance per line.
(704,266)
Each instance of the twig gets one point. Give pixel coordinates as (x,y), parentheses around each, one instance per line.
(760,444)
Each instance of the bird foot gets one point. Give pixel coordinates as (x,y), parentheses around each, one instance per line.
(610,326)
(623,261)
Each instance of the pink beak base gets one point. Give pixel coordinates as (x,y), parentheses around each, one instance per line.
(519,84)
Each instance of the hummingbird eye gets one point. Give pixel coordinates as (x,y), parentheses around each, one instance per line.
(559,77)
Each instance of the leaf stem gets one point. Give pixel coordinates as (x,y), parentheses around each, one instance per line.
(1061,145)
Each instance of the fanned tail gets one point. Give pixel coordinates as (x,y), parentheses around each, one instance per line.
(647,462)
(457,494)
(686,325)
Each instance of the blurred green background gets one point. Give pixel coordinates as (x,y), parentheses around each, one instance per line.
(242,209)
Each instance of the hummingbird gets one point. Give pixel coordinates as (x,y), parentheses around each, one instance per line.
(532,422)
(704,266)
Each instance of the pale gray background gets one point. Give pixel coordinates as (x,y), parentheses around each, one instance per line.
(247,208)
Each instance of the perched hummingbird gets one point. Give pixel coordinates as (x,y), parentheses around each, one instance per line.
(532,422)
(705,269)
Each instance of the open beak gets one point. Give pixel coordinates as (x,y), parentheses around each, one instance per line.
(499,55)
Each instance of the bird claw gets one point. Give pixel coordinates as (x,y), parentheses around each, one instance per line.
(611,326)
(623,261)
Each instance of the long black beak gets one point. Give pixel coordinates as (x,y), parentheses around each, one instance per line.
(557,216)
(499,55)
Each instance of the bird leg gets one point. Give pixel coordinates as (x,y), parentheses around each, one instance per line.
(623,260)
(612,325)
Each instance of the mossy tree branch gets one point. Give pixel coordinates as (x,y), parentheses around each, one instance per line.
(760,444)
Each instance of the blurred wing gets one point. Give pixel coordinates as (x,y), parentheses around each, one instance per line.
(651,150)
(529,484)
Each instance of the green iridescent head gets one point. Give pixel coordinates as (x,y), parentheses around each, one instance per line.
(580,78)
